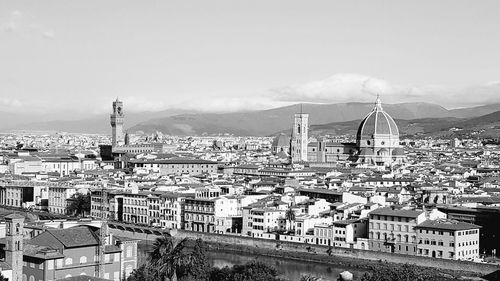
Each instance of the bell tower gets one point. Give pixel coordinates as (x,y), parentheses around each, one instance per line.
(117,117)
(14,248)
(299,140)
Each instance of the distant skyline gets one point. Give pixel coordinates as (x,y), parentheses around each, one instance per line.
(227,55)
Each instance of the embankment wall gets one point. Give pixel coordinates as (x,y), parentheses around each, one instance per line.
(311,252)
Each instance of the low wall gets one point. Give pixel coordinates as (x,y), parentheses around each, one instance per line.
(315,253)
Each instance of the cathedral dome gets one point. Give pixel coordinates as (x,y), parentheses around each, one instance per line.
(377,122)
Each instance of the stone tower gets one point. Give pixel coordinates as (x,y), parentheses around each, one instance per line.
(117,136)
(299,137)
(14,248)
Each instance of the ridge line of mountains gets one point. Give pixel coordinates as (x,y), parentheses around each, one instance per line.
(334,119)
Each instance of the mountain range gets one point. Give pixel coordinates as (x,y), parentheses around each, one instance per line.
(335,118)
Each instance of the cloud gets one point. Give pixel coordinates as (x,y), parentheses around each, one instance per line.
(336,88)
(16,14)
(51,35)
(230,104)
(8,26)
(341,88)
(10,104)
(12,23)
(19,23)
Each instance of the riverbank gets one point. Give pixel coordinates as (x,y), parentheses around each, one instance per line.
(334,255)
(289,269)
(343,257)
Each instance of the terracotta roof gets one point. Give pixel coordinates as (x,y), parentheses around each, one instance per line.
(446,224)
(79,236)
(396,212)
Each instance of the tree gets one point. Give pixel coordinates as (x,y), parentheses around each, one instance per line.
(309,277)
(168,257)
(142,273)
(290,217)
(406,272)
(195,266)
(252,271)
(79,205)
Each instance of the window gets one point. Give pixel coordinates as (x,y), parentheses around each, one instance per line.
(129,252)
(69,261)
(83,259)
(50,264)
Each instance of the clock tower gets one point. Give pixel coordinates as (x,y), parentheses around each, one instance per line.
(117,136)
(14,248)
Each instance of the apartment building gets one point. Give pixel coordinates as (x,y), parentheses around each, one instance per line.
(199,212)
(58,198)
(172,209)
(323,234)
(346,232)
(266,220)
(448,239)
(135,207)
(17,194)
(175,166)
(266,214)
(62,164)
(154,213)
(25,164)
(394,230)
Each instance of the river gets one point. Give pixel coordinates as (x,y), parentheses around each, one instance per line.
(290,269)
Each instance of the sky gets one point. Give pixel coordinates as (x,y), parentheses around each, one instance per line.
(228,55)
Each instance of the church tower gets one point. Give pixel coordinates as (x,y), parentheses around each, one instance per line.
(300,137)
(14,248)
(117,137)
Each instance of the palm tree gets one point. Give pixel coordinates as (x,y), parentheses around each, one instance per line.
(290,216)
(168,257)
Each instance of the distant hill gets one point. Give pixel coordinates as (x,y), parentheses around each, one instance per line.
(96,124)
(266,122)
(425,117)
(485,126)
(475,111)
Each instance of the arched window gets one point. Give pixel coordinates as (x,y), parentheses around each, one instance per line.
(32,278)
(83,259)
(69,261)
(67,276)
(25,277)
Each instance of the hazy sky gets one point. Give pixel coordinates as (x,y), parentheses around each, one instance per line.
(228,55)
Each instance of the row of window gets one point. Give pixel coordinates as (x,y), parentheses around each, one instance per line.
(199,208)
(197,217)
(397,238)
(135,211)
(391,218)
(468,232)
(435,232)
(385,226)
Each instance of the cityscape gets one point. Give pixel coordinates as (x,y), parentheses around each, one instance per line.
(348,178)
